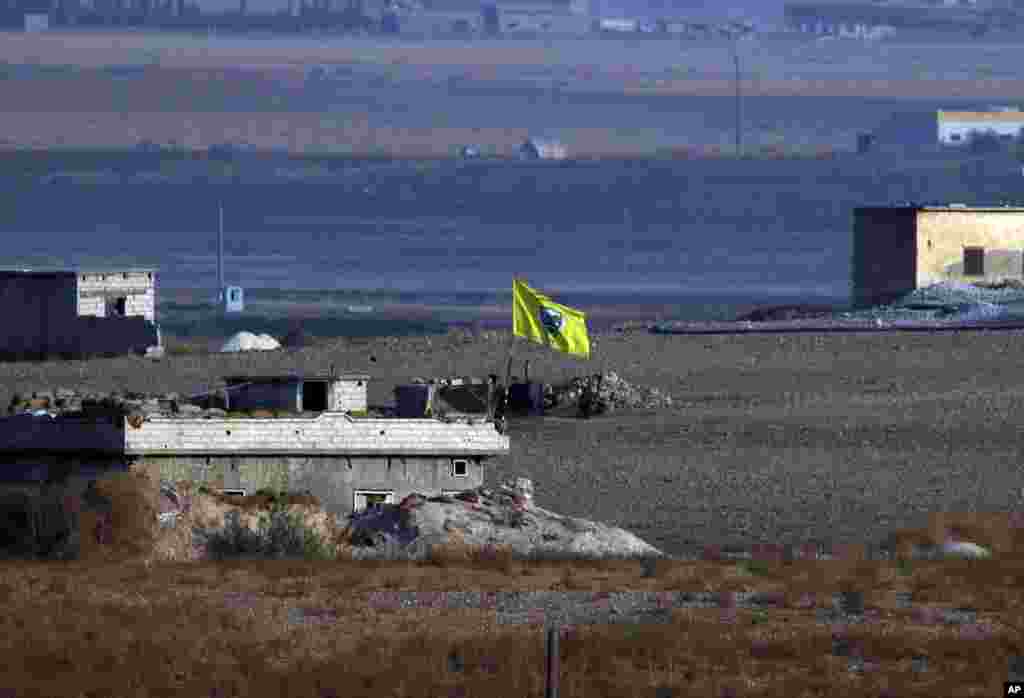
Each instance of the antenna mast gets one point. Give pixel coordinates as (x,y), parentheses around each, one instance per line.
(220,255)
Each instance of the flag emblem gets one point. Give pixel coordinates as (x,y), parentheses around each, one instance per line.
(540,319)
(551,319)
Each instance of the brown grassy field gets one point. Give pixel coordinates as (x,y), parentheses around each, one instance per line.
(836,440)
(199,91)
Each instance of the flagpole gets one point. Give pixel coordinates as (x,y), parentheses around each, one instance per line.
(511,346)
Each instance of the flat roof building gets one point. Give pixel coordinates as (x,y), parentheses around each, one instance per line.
(897,249)
(76,312)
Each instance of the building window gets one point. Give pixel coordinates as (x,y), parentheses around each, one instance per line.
(974,261)
(371,499)
(116,307)
(954,136)
(124,275)
(460,467)
(238,493)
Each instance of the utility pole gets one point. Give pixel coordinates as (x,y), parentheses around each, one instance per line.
(739,98)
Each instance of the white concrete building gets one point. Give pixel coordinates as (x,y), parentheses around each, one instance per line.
(77,312)
(324,442)
(955,127)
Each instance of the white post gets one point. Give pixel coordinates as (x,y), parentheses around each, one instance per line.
(220,257)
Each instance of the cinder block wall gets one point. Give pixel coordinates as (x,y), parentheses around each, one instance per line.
(333,479)
(283,395)
(884,255)
(329,431)
(349,395)
(943,235)
(137,287)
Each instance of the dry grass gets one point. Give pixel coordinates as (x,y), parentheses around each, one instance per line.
(199,91)
(123,621)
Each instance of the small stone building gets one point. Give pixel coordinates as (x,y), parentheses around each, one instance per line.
(342,456)
(897,249)
(542,149)
(77,312)
(314,393)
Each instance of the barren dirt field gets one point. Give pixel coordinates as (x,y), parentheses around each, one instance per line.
(839,440)
(775,439)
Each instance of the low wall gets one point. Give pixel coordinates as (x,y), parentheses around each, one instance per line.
(332,479)
(68,435)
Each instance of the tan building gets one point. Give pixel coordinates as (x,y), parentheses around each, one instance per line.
(898,249)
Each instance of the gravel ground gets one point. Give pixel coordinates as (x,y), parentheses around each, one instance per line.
(788,439)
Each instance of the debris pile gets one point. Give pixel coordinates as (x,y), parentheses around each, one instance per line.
(67,402)
(502,517)
(602,393)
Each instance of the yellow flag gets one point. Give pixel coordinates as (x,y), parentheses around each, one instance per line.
(539,319)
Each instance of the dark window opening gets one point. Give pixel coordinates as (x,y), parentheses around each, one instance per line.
(15,524)
(373,500)
(235,493)
(460,467)
(954,137)
(974,261)
(117,307)
(314,396)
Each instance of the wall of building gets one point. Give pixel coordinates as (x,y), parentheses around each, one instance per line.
(330,431)
(90,336)
(949,129)
(279,395)
(35,309)
(42,316)
(884,255)
(348,395)
(137,287)
(64,434)
(943,235)
(333,479)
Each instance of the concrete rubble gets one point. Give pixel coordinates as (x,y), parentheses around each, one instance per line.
(504,517)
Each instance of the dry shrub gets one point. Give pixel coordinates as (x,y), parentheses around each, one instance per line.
(209,510)
(133,524)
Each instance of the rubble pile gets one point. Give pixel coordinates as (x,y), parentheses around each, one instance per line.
(502,517)
(606,392)
(72,403)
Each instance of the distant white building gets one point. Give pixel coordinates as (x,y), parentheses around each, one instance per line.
(542,149)
(955,127)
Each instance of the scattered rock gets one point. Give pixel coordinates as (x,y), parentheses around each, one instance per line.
(605,393)
(505,517)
